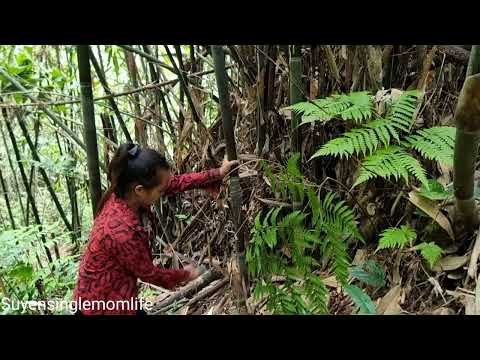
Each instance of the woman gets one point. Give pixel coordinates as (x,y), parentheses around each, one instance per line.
(118,252)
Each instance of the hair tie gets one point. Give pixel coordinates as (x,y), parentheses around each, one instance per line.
(134,151)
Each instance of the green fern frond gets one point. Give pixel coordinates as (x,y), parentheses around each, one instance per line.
(430,252)
(338,216)
(364,140)
(391,161)
(361,107)
(402,111)
(317,294)
(435,143)
(335,248)
(356,106)
(396,237)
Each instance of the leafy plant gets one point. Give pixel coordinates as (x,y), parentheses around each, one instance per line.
(370,273)
(383,142)
(396,237)
(289,244)
(434,191)
(400,237)
(361,299)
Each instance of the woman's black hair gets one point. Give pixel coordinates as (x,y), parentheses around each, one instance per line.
(131,165)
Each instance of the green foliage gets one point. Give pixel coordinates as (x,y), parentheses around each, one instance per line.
(434,191)
(366,139)
(19,270)
(355,106)
(396,237)
(391,161)
(361,299)
(289,244)
(373,139)
(435,143)
(370,273)
(430,252)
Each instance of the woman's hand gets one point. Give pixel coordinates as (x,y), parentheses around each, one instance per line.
(226,166)
(194,272)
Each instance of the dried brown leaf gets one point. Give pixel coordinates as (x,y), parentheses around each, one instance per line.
(389,304)
(449,263)
(432,209)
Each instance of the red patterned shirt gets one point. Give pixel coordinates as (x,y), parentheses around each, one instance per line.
(118,253)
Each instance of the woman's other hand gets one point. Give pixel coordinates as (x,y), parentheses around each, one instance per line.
(227,166)
(194,272)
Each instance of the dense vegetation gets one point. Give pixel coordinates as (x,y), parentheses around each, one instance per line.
(345,201)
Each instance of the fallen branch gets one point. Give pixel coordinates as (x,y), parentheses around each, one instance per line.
(210,290)
(192,287)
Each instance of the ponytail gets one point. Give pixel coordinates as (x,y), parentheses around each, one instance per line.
(130,165)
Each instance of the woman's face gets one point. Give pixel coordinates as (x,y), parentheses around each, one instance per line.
(147,197)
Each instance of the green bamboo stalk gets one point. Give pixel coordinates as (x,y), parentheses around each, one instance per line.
(295,95)
(46,180)
(101,76)
(467,119)
(240,273)
(12,169)
(32,169)
(28,190)
(90,133)
(7,200)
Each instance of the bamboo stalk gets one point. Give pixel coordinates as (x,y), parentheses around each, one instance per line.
(46,180)
(90,133)
(29,193)
(181,77)
(295,94)
(239,274)
(149,57)
(467,119)
(101,76)
(12,169)
(7,200)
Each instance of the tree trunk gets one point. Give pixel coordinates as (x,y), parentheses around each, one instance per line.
(239,275)
(90,133)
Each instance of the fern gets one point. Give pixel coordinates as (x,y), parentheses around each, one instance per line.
(436,143)
(365,140)
(396,238)
(287,243)
(402,111)
(391,161)
(430,252)
(355,106)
